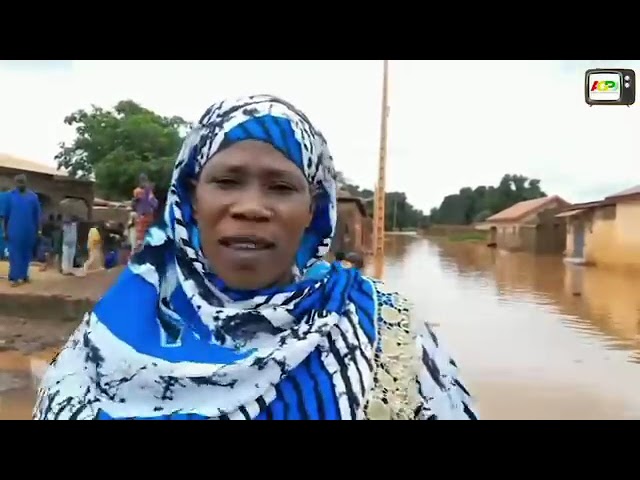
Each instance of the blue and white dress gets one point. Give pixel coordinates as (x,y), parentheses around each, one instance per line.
(170,340)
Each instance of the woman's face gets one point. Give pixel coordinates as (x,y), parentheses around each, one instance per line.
(252,205)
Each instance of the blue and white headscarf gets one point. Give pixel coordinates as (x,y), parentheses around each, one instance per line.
(170,340)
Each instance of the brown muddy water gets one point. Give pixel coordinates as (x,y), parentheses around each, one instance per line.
(534,338)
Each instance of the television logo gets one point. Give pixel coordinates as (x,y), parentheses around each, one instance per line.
(610,86)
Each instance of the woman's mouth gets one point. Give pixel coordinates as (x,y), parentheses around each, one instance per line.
(247,243)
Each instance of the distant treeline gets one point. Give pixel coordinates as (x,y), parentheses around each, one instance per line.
(475,205)
(399,213)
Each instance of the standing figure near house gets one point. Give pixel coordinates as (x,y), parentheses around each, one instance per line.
(144,204)
(69,244)
(21,225)
(94,247)
(3,245)
(4,196)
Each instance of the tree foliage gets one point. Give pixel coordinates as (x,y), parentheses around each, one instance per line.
(475,205)
(399,213)
(117,145)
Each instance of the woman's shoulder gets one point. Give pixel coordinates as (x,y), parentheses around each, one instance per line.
(395,394)
(389,302)
(415,361)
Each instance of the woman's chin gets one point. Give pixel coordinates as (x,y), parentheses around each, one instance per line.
(242,281)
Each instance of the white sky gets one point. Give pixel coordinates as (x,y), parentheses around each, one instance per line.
(452,124)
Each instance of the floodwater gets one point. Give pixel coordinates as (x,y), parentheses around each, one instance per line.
(534,338)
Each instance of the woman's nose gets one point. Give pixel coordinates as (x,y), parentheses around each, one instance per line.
(251,205)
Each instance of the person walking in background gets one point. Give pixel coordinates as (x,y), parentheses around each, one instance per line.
(144,204)
(21,221)
(94,247)
(4,198)
(3,245)
(69,244)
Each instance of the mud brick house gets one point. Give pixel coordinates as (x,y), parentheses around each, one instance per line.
(354,229)
(529,226)
(605,232)
(54,188)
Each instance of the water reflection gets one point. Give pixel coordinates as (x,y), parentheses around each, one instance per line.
(537,338)
(19,374)
(592,300)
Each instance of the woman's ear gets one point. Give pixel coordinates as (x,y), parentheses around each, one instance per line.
(313,191)
(193,183)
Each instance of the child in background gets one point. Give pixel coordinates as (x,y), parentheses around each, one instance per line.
(355,260)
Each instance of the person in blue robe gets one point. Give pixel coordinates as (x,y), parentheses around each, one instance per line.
(3,246)
(21,222)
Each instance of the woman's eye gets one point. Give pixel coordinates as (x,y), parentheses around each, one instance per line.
(225,182)
(283,187)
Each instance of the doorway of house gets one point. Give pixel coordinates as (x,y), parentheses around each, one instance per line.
(578,240)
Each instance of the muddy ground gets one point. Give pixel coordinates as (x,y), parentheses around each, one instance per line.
(26,348)
(51,296)
(35,321)
(29,336)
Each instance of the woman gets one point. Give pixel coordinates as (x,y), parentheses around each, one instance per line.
(145,204)
(214,318)
(95,260)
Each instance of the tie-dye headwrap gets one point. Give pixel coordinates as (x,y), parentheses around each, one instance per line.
(277,123)
(170,337)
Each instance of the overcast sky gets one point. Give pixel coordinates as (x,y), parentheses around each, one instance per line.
(452,123)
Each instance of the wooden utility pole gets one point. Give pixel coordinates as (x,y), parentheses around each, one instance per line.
(380,193)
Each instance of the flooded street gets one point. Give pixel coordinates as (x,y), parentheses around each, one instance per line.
(534,338)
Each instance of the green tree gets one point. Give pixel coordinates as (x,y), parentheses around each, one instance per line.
(476,205)
(399,213)
(117,145)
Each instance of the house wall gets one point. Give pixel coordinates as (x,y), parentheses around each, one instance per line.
(550,233)
(612,235)
(584,218)
(354,231)
(51,190)
(539,232)
(367,234)
(508,237)
(348,235)
(616,241)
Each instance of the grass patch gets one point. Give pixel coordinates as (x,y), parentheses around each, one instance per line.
(467,237)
